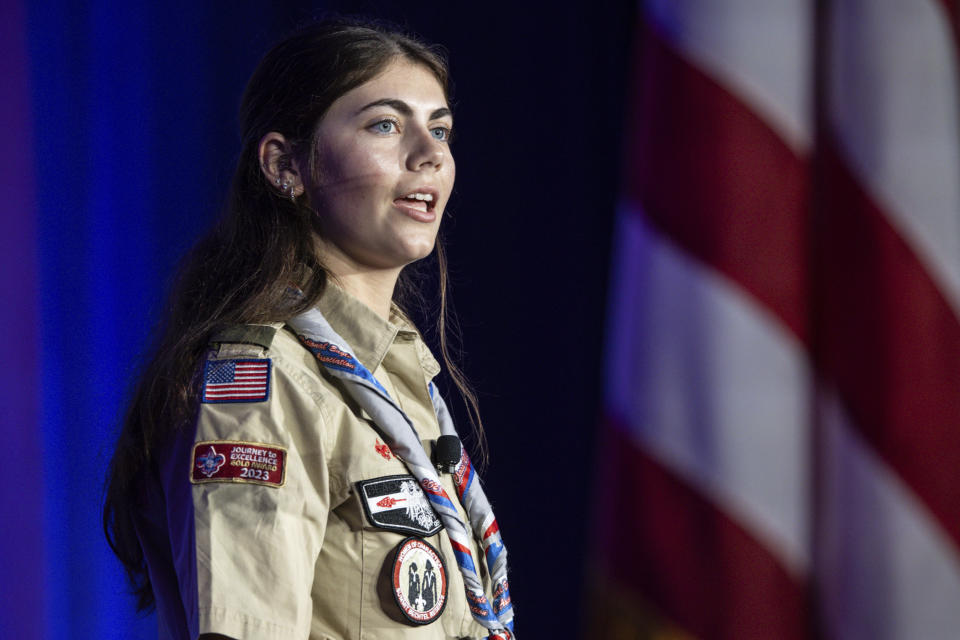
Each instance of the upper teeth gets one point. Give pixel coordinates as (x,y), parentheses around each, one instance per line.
(421,196)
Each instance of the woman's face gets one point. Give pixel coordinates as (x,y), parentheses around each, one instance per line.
(385,171)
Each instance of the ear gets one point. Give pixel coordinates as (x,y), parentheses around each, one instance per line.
(279,166)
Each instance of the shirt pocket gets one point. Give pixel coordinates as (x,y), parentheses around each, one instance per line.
(404,548)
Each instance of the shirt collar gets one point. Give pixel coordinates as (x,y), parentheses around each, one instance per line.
(369,335)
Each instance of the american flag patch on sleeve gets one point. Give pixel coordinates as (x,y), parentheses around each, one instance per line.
(245,380)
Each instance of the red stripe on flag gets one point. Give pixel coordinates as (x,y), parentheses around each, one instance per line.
(701,568)
(459,547)
(889,340)
(492,529)
(719,181)
(953,17)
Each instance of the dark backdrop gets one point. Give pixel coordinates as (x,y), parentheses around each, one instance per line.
(129,140)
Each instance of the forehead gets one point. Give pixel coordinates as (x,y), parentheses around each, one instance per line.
(403,80)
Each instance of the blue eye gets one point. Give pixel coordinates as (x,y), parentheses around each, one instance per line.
(441,133)
(385,126)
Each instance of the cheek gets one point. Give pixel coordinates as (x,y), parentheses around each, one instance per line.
(340,159)
(359,175)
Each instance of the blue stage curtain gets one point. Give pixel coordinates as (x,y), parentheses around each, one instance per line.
(126,160)
(23,468)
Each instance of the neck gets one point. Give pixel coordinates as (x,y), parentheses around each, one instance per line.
(372,287)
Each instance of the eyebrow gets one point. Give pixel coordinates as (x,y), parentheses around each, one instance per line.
(403,108)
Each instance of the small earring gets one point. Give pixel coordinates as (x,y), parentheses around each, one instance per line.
(288,189)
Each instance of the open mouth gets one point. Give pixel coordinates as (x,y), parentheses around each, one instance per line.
(420,201)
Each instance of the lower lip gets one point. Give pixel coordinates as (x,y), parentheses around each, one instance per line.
(413,212)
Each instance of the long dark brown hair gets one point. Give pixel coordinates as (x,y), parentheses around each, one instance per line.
(238,273)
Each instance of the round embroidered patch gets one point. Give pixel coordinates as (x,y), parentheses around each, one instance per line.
(419,581)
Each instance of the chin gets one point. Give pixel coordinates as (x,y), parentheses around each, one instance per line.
(414,251)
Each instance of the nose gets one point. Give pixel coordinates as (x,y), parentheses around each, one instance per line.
(426,151)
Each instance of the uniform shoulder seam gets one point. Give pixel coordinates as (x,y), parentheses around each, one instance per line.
(260,335)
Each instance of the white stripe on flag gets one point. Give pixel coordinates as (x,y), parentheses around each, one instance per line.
(888,569)
(712,386)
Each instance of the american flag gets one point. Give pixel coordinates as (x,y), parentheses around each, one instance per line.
(236,380)
(781,448)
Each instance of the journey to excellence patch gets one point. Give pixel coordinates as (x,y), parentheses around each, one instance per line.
(234,461)
(419,581)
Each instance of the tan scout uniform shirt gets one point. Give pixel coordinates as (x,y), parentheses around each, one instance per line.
(301,560)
